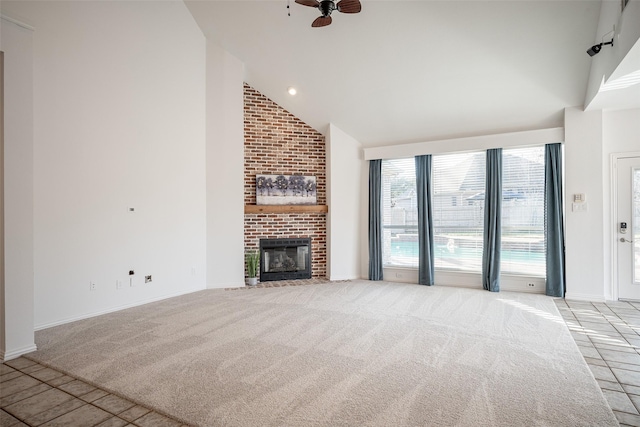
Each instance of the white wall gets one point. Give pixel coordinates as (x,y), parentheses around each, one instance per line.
(225,169)
(3,342)
(119,103)
(344,171)
(621,134)
(18,292)
(584,229)
(364,220)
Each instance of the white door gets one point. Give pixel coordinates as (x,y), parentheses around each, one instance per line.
(628,228)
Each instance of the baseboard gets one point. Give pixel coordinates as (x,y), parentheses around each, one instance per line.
(471,280)
(112,309)
(585,297)
(14,354)
(226,285)
(339,278)
(459,285)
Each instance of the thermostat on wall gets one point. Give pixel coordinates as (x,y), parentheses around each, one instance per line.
(579,198)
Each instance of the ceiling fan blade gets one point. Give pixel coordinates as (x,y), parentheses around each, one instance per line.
(310,3)
(321,21)
(349,6)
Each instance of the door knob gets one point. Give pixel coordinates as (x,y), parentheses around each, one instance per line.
(622,239)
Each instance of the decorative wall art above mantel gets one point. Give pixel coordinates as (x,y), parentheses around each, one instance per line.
(285,190)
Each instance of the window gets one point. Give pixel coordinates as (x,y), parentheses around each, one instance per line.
(458,227)
(523,247)
(458,185)
(399,213)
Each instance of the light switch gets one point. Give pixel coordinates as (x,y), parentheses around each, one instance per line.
(580,207)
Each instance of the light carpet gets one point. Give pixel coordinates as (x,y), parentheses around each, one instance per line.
(339,354)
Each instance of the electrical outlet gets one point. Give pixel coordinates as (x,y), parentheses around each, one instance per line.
(399,275)
(92,286)
(147,279)
(531,285)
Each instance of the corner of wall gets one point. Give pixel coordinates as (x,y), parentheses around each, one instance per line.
(224,168)
(344,166)
(3,342)
(584,235)
(17,192)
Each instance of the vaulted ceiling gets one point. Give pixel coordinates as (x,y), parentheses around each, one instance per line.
(408,71)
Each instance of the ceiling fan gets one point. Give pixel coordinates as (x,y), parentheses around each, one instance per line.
(328,6)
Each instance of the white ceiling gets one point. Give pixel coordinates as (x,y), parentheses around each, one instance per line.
(409,71)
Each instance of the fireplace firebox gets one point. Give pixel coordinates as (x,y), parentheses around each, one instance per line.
(285,259)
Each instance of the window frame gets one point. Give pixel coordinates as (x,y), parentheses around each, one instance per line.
(460,203)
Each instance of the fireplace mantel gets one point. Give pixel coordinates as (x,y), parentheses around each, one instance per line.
(256,209)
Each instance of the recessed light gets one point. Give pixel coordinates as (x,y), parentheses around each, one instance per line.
(292,90)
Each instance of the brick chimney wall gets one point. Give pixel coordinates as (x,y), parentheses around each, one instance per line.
(276,142)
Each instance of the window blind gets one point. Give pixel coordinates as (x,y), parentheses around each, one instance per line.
(399,213)
(523,248)
(458,210)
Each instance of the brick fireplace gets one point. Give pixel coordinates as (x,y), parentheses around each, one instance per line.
(276,142)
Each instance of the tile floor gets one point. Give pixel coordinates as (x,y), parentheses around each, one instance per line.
(34,395)
(607,334)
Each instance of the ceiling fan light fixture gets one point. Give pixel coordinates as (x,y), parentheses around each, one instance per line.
(327,6)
